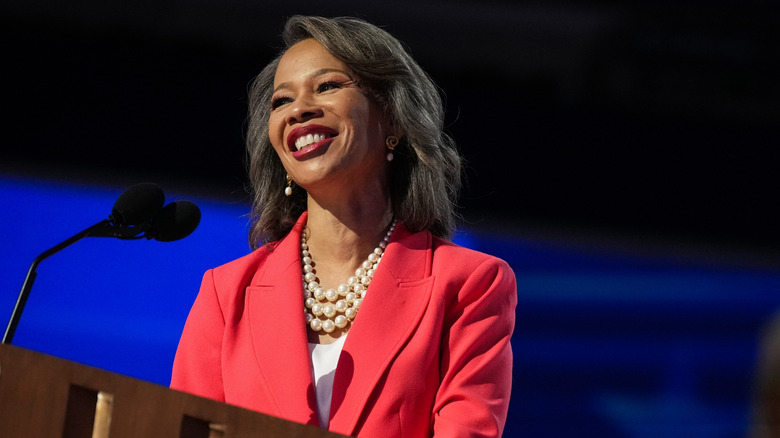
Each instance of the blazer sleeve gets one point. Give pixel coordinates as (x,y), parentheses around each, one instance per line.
(476,362)
(197,365)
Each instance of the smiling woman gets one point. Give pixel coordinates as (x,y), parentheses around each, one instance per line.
(393,330)
(317,96)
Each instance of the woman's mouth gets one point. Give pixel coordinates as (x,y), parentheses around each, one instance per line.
(305,140)
(309,139)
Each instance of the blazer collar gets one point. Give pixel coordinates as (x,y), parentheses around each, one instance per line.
(394,305)
(275,313)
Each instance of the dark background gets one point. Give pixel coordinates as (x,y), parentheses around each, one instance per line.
(655,120)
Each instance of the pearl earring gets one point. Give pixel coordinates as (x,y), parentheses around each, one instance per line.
(391,142)
(288,189)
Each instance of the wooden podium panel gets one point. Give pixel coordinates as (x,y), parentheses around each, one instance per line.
(42,396)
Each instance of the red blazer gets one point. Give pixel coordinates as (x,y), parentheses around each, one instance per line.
(428,353)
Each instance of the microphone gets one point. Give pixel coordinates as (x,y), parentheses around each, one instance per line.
(137,204)
(175,221)
(131,214)
(137,213)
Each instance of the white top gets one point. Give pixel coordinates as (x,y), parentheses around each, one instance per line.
(324,358)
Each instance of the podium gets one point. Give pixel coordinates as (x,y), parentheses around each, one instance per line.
(42,396)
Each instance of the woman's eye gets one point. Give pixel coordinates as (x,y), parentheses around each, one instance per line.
(279,101)
(327,86)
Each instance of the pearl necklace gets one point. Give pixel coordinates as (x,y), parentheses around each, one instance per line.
(336,308)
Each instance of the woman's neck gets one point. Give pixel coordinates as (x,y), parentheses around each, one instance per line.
(340,236)
(347,232)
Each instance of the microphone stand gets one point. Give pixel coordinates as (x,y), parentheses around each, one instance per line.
(104,228)
(138,213)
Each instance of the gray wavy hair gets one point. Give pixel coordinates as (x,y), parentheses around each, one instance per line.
(425,176)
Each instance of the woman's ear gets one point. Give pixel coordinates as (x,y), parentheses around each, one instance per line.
(393,129)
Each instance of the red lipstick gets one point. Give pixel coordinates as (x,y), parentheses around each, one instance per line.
(302,131)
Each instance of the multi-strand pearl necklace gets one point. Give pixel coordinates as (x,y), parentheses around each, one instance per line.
(330,309)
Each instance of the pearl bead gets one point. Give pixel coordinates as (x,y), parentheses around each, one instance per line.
(341,306)
(329,310)
(328,326)
(310,302)
(357,304)
(359,272)
(341,321)
(306,260)
(350,313)
(367,264)
(352,280)
(315,324)
(313,285)
(319,293)
(343,289)
(350,297)
(316,309)
(332,295)
(365,280)
(309,277)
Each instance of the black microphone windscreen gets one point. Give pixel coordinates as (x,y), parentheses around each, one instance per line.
(138,204)
(175,221)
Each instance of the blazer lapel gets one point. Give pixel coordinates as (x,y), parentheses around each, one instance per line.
(395,302)
(276,320)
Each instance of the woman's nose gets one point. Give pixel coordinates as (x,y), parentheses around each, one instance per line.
(303,110)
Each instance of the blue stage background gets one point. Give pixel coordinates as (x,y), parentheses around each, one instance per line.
(610,341)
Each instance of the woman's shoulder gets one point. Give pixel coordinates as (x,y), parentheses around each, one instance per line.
(452,254)
(242,269)
(472,275)
(437,256)
(251,259)
(458,266)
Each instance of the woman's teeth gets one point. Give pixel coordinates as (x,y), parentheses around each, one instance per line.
(307,140)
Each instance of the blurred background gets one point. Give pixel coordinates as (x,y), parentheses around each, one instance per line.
(622,157)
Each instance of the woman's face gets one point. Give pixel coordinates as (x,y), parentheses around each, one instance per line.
(323,127)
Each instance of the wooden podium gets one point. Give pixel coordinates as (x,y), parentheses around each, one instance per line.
(46,397)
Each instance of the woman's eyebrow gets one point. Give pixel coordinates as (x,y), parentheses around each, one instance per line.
(314,74)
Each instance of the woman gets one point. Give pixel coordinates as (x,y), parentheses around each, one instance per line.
(394,331)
